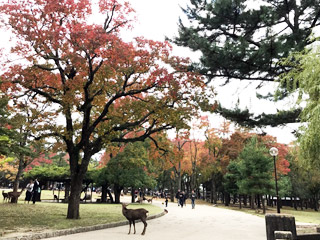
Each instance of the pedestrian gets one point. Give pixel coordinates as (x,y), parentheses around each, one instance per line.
(185,197)
(29,189)
(193,199)
(178,197)
(181,197)
(166,201)
(35,191)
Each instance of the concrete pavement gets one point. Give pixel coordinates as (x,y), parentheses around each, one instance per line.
(203,222)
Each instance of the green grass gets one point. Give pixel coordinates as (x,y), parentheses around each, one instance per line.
(305,216)
(41,216)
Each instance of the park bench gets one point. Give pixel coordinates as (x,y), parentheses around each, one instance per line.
(283,226)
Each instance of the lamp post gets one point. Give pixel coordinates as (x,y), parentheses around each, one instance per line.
(274,152)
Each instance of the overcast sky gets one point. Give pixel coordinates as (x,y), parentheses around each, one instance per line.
(157,19)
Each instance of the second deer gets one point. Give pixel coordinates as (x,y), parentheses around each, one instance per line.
(15,195)
(5,196)
(135,214)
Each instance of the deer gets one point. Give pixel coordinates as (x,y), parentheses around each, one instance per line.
(135,214)
(5,196)
(15,195)
(149,200)
(141,199)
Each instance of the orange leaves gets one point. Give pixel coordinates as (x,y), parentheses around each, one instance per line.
(89,87)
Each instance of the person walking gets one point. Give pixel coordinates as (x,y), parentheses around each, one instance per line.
(193,199)
(35,191)
(178,197)
(29,189)
(181,197)
(166,201)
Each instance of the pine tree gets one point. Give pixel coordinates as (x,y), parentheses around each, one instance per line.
(238,41)
(255,167)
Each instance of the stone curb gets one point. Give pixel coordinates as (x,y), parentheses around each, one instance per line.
(75,230)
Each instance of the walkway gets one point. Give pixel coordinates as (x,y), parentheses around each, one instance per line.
(203,222)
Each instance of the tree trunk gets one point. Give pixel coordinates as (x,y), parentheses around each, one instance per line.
(117,192)
(240,206)
(263,204)
(179,177)
(133,195)
(227,199)
(172,194)
(19,173)
(258,201)
(252,201)
(213,190)
(316,207)
(74,199)
(295,203)
(104,193)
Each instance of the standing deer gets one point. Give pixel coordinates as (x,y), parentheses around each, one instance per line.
(135,214)
(5,196)
(15,195)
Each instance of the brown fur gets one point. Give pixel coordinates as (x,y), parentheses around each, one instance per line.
(135,214)
(5,196)
(15,195)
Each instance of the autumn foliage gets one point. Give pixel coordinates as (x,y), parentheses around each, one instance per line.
(89,88)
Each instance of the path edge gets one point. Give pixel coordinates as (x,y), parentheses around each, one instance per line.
(70,231)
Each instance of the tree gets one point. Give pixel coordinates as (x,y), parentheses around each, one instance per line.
(255,169)
(129,168)
(241,41)
(4,128)
(305,74)
(93,88)
(231,178)
(15,134)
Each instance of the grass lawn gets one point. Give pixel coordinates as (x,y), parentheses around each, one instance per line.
(41,216)
(305,216)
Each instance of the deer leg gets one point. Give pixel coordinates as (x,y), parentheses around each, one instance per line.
(134,226)
(145,226)
(129,227)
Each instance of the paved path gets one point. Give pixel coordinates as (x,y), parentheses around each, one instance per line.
(203,222)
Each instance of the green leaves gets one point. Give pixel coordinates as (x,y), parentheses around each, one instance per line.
(241,41)
(255,168)
(304,79)
(130,167)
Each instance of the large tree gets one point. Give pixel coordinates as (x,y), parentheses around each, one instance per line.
(305,73)
(92,87)
(242,39)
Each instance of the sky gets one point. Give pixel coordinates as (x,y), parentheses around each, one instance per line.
(158,19)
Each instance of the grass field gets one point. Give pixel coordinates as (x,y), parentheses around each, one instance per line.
(305,216)
(23,217)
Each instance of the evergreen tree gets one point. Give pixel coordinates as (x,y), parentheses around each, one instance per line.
(238,41)
(255,167)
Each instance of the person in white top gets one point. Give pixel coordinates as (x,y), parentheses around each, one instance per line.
(29,189)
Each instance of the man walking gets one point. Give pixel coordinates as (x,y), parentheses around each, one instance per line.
(35,191)
(193,199)
(181,198)
(178,197)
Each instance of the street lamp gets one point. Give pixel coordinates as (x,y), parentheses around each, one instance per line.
(274,152)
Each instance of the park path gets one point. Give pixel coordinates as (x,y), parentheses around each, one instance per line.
(203,222)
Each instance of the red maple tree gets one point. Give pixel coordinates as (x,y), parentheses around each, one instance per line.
(94,88)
